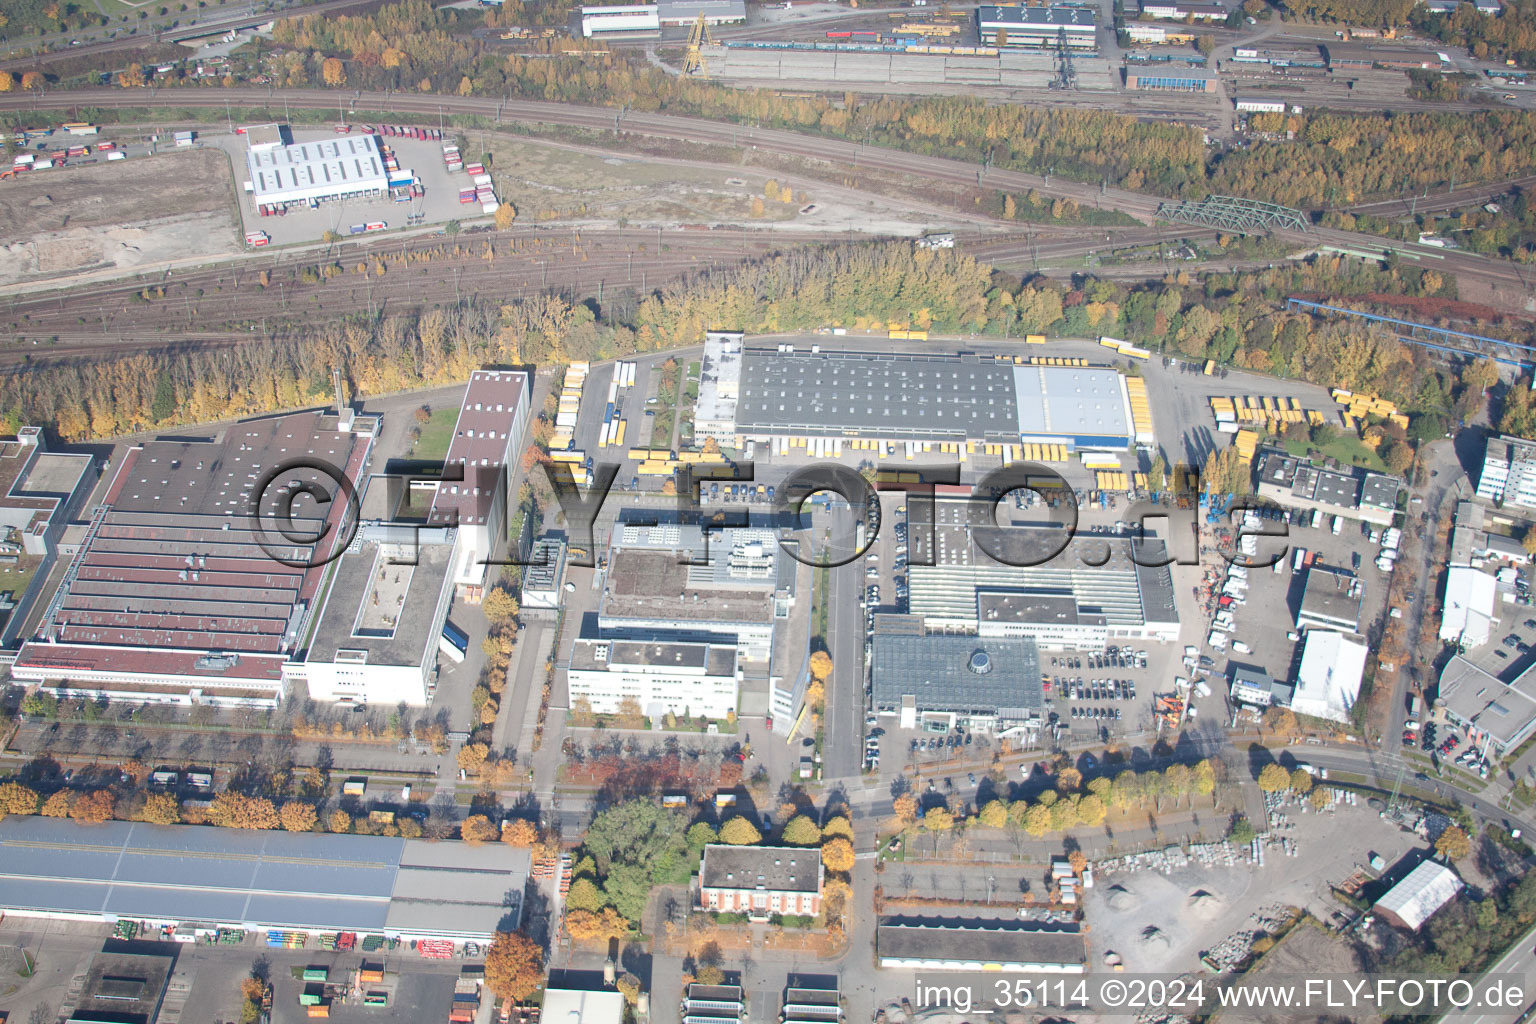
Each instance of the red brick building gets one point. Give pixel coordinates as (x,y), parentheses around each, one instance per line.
(761,880)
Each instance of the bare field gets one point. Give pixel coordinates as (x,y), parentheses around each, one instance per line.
(550,182)
(120,215)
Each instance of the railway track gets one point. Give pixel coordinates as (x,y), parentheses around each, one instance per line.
(696,130)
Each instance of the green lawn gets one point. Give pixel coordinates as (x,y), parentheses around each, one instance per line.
(436,434)
(1348,449)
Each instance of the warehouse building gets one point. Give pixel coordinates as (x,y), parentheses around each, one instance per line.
(1259,689)
(685,13)
(624,21)
(790,396)
(1093,592)
(122,988)
(697,679)
(177,593)
(1037,26)
(208,878)
(1144,80)
(1359,495)
(937,683)
(992,946)
(1328,679)
(1330,599)
(1363,57)
(1181,11)
(1494,714)
(1417,898)
(582,1006)
(344,167)
(670,580)
(1467,617)
(1509,472)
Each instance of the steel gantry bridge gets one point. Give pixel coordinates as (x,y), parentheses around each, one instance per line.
(1229,213)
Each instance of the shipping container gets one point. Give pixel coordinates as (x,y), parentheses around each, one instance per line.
(117,156)
(357,229)
(376,225)
(257,238)
(77,150)
(489,206)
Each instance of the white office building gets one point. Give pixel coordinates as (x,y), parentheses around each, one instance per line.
(698,679)
(634,20)
(1509,472)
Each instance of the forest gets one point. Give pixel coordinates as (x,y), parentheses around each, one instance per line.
(1507,231)
(1235,318)
(1508,35)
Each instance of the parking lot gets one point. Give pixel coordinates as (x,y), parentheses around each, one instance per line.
(1243,605)
(423,158)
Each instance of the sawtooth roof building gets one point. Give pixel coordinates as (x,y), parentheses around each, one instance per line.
(991,946)
(1091,593)
(946,398)
(209,877)
(178,593)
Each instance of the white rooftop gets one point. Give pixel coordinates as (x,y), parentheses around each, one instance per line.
(345,165)
(1427,888)
(1328,681)
(575,1006)
(1468,618)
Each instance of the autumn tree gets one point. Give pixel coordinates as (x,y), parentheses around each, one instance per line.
(1037,820)
(93,807)
(1091,810)
(938,819)
(236,810)
(339,821)
(837,826)
(514,966)
(477,828)
(332,72)
(1281,721)
(585,895)
(7,81)
(702,834)
(821,666)
(519,832)
(130,77)
(499,606)
(57,805)
(1301,780)
(1453,843)
(298,816)
(17,799)
(160,809)
(802,831)
(505,214)
(472,757)
(1273,778)
(905,808)
(1069,780)
(600,926)
(994,814)
(739,831)
(837,855)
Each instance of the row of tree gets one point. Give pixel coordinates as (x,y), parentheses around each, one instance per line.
(1233,318)
(1071,803)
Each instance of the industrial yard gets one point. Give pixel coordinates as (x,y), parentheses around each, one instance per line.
(116,216)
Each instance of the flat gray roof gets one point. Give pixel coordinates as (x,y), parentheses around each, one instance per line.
(1478,698)
(876,395)
(986,675)
(1079,402)
(975,943)
(780,868)
(351,622)
(259,879)
(1331,595)
(1063,17)
(703,658)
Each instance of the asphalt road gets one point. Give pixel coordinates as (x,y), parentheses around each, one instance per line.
(843,744)
(697,130)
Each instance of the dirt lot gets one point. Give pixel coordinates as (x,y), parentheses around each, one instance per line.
(1307,951)
(551,181)
(137,211)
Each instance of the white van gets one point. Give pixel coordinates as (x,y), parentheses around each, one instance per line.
(1241,648)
